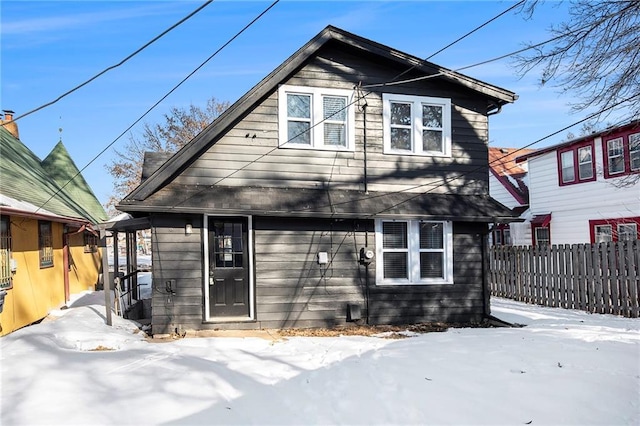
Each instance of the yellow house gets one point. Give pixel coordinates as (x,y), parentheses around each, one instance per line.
(48,240)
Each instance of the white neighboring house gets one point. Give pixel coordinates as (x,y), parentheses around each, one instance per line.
(586,190)
(508,184)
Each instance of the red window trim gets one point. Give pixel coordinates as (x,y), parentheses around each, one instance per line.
(626,149)
(614,224)
(540,221)
(576,167)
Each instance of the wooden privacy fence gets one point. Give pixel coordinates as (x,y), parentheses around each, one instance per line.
(600,278)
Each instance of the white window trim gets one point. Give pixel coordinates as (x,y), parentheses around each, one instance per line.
(609,157)
(416,120)
(317,119)
(413,241)
(633,136)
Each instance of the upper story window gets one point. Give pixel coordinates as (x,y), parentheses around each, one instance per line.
(5,253)
(622,155)
(416,125)
(45,244)
(576,165)
(414,252)
(316,118)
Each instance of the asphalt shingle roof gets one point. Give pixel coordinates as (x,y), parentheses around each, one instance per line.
(25,178)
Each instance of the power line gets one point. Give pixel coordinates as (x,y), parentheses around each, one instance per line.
(462,37)
(491,162)
(363,96)
(163,98)
(156,38)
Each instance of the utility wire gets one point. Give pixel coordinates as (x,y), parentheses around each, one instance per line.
(480,168)
(462,37)
(363,96)
(159,36)
(162,99)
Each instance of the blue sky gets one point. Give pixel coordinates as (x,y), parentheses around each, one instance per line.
(50,47)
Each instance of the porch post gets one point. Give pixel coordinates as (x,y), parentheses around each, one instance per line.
(106,280)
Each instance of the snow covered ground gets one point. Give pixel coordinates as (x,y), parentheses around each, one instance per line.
(564,367)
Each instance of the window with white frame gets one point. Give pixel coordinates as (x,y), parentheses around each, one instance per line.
(615,229)
(627,231)
(615,156)
(316,118)
(603,233)
(416,125)
(414,252)
(634,152)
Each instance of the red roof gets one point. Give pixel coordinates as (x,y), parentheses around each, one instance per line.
(503,166)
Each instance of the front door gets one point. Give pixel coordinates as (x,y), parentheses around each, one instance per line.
(228,267)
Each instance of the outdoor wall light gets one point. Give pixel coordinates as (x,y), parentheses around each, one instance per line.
(188,229)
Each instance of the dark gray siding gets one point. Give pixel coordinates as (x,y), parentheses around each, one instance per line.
(293,290)
(464,301)
(257,161)
(176,257)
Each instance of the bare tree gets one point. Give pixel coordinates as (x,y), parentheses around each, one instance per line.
(180,126)
(594,56)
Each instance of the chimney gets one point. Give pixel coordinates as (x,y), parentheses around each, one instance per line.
(9,124)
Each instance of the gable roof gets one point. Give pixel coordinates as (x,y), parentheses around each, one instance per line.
(24,179)
(632,125)
(502,164)
(497,95)
(62,169)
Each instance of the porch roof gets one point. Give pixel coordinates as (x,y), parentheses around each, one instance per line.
(325,202)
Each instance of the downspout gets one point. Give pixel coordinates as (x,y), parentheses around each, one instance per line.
(364,141)
(495,111)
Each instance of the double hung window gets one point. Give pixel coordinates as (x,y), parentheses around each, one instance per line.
(576,164)
(416,125)
(614,230)
(315,118)
(414,252)
(615,156)
(621,155)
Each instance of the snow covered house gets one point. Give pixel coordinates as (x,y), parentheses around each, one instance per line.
(586,190)
(48,240)
(324,195)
